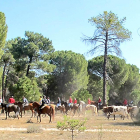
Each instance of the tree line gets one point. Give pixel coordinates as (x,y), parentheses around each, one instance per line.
(30,66)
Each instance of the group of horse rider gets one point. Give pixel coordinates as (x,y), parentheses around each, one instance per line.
(43,101)
(70,102)
(11,101)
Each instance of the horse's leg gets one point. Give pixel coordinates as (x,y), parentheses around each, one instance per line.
(40,117)
(6,115)
(50,118)
(32,113)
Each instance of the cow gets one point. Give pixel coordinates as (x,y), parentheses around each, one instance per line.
(93,108)
(133,111)
(114,110)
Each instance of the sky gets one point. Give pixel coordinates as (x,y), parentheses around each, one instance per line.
(65,22)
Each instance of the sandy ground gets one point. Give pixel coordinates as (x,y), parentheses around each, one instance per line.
(97,128)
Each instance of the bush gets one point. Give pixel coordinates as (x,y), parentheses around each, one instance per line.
(34,129)
(71,125)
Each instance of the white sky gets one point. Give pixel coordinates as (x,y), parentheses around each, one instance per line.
(65,21)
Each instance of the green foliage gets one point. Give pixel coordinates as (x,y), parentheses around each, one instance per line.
(82,95)
(131,84)
(3,32)
(71,125)
(28,88)
(32,53)
(135,96)
(70,73)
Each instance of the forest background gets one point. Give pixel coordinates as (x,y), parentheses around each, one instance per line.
(31,66)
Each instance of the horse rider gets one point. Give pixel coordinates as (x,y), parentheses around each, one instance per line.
(99,102)
(40,100)
(25,101)
(58,102)
(89,101)
(70,101)
(75,101)
(10,101)
(43,102)
(48,100)
(125,102)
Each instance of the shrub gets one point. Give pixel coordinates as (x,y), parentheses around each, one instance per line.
(71,125)
(34,129)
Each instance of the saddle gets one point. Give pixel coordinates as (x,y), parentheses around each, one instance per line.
(26,104)
(44,106)
(10,105)
(47,105)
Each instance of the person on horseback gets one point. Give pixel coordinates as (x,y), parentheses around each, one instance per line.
(25,101)
(99,102)
(75,101)
(125,102)
(89,101)
(58,102)
(48,100)
(70,101)
(40,100)
(43,102)
(10,101)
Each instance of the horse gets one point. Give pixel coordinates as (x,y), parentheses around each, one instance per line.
(82,106)
(75,107)
(93,108)
(61,108)
(11,108)
(20,104)
(95,103)
(44,110)
(29,106)
(67,107)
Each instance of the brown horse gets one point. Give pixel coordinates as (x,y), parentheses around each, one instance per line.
(24,107)
(95,103)
(29,106)
(44,110)
(11,108)
(98,106)
(61,108)
(75,107)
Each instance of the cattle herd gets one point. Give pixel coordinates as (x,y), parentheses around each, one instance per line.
(81,108)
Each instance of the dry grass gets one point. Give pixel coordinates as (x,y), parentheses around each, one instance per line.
(103,129)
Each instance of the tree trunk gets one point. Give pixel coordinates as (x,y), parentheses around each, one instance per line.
(28,68)
(3,88)
(104,71)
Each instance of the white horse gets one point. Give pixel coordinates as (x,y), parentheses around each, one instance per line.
(93,108)
(82,106)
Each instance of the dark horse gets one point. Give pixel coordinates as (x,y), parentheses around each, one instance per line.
(98,106)
(67,107)
(44,110)
(74,107)
(10,108)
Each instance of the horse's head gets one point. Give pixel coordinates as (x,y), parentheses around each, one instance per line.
(35,105)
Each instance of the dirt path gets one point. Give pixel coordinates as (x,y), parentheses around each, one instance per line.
(55,129)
